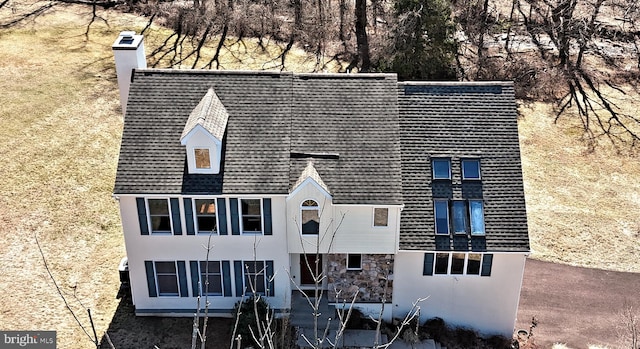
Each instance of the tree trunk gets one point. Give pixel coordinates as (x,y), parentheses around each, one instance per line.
(361,35)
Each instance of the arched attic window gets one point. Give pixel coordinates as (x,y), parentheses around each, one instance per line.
(310,214)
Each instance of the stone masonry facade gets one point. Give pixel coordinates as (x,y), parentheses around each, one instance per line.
(369,282)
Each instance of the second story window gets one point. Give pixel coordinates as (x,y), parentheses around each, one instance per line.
(159,216)
(206,216)
(441,168)
(380,217)
(310,215)
(251,215)
(459,216)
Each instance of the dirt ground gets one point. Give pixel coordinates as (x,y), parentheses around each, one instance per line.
(577,306)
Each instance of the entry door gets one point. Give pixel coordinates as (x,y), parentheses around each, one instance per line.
(307,270)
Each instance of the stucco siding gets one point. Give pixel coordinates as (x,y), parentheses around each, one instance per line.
(141,248)
(487,304)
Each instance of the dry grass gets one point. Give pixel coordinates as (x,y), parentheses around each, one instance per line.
(60,135)
(582,205)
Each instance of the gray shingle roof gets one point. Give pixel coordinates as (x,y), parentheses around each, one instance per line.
(354,115)
(459,120)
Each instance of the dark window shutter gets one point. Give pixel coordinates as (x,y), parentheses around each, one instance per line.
(427,268)
(188,215)
(142,216)
(195,277)
(175,216)
(266,210)
(235,222)
(222,216)
(238,271)
(182,279)
(151,279)
(270,281)
(226,278)
(487,260)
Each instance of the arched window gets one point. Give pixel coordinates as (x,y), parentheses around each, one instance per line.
(310,217)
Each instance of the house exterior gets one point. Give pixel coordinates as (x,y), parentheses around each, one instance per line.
(398,192)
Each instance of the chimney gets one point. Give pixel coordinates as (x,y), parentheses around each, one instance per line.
(128,50)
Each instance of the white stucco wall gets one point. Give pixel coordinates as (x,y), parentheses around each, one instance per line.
(343,228)
(190,247)
(486,304)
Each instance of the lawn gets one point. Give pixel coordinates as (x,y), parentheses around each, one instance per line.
(60,135)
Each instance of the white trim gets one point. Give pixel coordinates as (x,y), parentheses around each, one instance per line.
(199,128)
(465,264)
(314,183)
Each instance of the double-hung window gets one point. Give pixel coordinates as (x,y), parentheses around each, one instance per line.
(251,210)
(166,279)
(159,216)
(254,277)
(205,214)
(310,215)
(211,278)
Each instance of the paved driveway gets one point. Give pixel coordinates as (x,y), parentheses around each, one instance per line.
(576,306)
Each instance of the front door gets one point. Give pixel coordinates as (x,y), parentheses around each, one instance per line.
(308,268)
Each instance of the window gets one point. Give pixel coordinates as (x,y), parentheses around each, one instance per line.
(203,160)
(211,278)
(166,278)
(254,277)
(465,216)
(206,216)
(457,263)
(441,210)
(471,169)
(354,262)
(477,217)
(459,213)
(380,217)
(473,264)
(442,263)
(310,217)
(251,215)
(441,168)
(159,216)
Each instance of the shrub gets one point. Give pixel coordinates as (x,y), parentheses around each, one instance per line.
(247,320)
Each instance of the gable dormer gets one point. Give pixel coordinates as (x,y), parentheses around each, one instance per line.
(203,133)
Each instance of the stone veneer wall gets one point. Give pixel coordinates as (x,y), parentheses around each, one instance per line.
(369,282)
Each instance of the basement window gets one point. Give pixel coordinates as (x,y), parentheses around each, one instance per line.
(354,262)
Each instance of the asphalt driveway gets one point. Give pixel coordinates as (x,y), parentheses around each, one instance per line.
(577,306)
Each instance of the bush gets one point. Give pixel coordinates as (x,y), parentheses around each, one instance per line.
(247,321)
(435,329)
